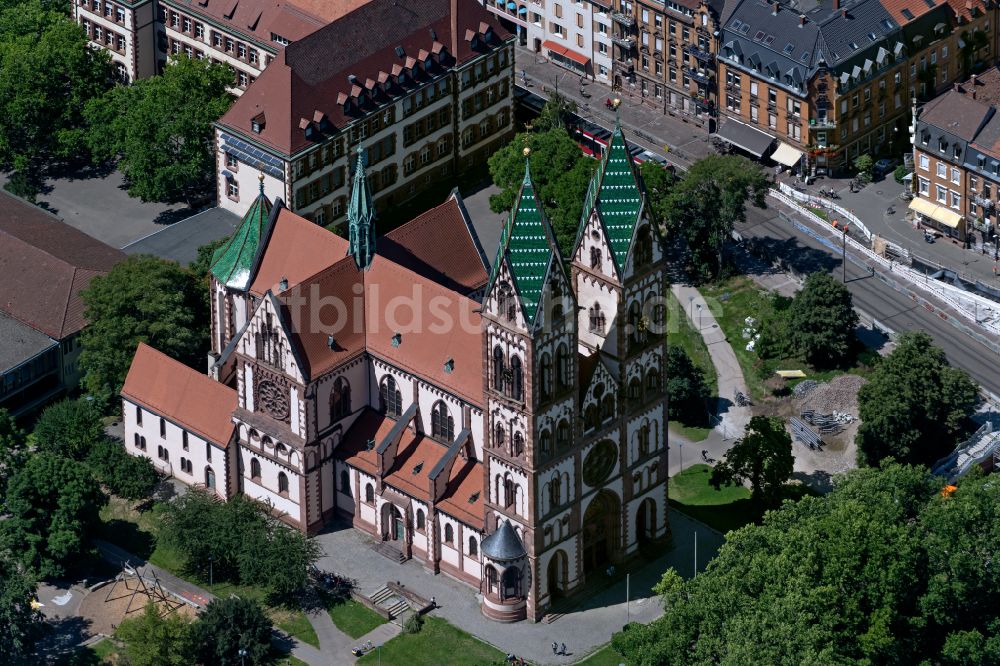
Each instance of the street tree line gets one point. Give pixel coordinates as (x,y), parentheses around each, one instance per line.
(60,106)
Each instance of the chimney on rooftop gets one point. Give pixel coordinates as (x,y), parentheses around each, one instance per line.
(774,8)
(802,20)
(454,29)
(843,12)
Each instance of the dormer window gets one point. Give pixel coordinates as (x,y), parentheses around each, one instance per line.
(257,124)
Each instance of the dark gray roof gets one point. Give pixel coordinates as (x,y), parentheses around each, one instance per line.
(792,43)
(503,545)
(180,241)
(956,114)
(745,137)
(19,343)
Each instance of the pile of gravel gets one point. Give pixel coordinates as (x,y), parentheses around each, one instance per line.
(804,387)
(840,394)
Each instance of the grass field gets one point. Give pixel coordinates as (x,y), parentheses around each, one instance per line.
(680,333)
(437,644)
(354,619)
(735,299)
(295,623)
(606,656)
(726,509)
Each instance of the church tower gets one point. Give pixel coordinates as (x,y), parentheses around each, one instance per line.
(529,359)
(619,276)
(361,218)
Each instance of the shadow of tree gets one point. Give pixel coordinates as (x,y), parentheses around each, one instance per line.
(59,644)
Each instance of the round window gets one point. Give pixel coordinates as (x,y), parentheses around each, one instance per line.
(599,462)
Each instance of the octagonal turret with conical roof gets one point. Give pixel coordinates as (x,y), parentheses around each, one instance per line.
(232,263)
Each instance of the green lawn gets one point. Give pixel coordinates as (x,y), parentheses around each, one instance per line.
(354,619)
(735,299)
(606,656)
(819,212)
(680,333)
(437,644)
(295,623)
(104,650)
(726,509)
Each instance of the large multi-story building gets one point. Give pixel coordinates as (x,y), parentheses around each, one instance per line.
(575,34)
(665,52)
(45,264)
(504,423)
(430,96)
(957,161)
(245,35)
(829,83)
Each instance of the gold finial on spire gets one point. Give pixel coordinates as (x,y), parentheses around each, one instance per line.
(616,102)
(526,152)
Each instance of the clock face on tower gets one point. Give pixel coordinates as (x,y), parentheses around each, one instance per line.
(272,399)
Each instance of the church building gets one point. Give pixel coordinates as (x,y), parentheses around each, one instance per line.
(502,422)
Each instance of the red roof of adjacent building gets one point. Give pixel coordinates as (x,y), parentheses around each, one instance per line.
(44,265)
(185,396)
(311,76)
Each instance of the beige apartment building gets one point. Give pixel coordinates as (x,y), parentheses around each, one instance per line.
(424,98)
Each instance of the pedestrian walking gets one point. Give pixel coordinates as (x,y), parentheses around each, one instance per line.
(555,648)
(562,649)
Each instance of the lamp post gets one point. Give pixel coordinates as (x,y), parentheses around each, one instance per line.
(243,654)
(379,647)
(210,571)
(691,306)
(699,316)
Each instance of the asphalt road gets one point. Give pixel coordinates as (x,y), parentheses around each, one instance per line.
(805,254)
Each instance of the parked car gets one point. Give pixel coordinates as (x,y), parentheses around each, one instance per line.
(884,166)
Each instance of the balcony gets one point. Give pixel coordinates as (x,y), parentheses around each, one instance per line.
(624,41)
(703,56)
(621,18)
(823,123)
(700,77)
(986,204)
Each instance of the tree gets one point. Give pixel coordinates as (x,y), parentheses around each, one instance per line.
(555,114)
(47,73)
(899,173)
(686,388)
(128,476)
(864,165)
(914,404)
(658,180)
(152,640)
(203,263)
(12,446)
(160,128)
(19,620)
(53,505)
(228,626)
(837,579)
(704,205)
(560,171)
(762,457)
(69,428)
(142,299)
(822,321)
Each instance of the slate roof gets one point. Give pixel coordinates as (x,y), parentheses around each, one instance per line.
(528,246)
(503,545)
(19,343)
(780,43)
(44,265)
(232,263)
(309,79)
(956,114)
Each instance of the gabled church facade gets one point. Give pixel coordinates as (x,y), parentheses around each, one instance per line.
(501,422)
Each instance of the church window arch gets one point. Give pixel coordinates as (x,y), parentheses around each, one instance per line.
(597,319)
(591,417)
(340,399)
(595,257)
(499,368)
(255,469)
(643,435)
(509,490)
(511,583)
(491,579)
(635,391)
(369,493)
(516,378)
(555,492)
(635,324)
(506,303)
(608,406)
(282,483)
(545,443)
(563,436)
(562,366)
(518,444)
(473,547)
(449,533)
(643,252)
(280,449)
(499,436)
(345,482)
(652,381)
(421,520)
(442,424)
(545,366)
(391,397)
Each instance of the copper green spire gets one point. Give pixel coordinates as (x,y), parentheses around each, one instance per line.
(232,262)
(361,217)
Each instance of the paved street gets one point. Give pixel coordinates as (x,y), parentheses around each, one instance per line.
(582,629)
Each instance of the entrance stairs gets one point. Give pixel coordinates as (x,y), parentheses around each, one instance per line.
(386,549)
(390,601)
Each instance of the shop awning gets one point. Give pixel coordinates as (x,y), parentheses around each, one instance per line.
(745,137)
(937,213)
(787,155)
(577,57)
(554,47)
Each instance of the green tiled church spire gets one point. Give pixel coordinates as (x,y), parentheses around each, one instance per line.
(232,262)
(361,218)
(527,243)
(615,192)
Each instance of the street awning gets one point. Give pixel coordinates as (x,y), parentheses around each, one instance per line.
(937,213)
(787,155)
(577,57)
(554,47)
(745,137)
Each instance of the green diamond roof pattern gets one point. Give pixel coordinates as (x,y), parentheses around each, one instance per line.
(526,242)
(618,195)
(232,262)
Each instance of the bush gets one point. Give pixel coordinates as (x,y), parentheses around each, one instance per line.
(226,627)
(686,387)
(864,165)
(413,624)
(69,428)
(900,173)
(125,475)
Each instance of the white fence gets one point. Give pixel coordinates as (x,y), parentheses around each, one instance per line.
(978,309)
(822,202)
